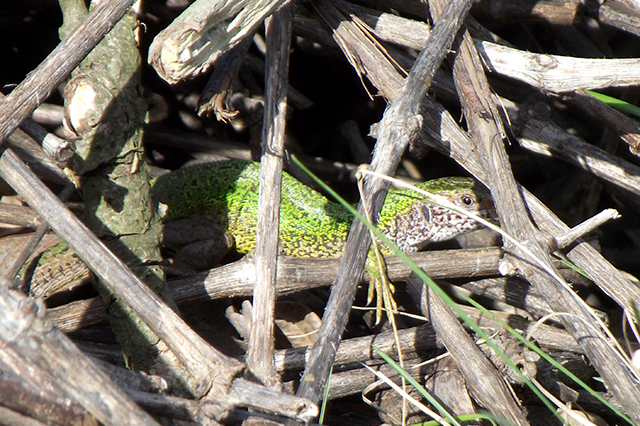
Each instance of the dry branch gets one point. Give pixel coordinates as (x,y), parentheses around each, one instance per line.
(294,274)
(27,330)
(558,74)
(260,353)
(204,31)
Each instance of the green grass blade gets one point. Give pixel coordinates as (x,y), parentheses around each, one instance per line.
(426,395)
(432,285)
(546,357)
(466,418)
(325,398)
(616,103)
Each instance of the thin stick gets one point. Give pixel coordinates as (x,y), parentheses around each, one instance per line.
(399,127)
(260,355)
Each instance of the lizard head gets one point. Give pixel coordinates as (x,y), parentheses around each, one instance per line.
(420,222)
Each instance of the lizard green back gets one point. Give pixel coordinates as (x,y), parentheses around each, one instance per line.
(311,225)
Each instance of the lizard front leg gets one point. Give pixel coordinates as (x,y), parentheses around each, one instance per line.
(200,243)
(379,284)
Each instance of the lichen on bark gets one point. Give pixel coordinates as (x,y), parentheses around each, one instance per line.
(104,107)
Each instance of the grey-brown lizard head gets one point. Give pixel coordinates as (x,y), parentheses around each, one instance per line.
(420,222)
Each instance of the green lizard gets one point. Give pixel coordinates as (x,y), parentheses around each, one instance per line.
(221,199)
(225,196)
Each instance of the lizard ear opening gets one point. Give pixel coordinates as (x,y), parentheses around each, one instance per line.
(425,211)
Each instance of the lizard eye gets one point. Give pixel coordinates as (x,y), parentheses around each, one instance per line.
(467,200)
